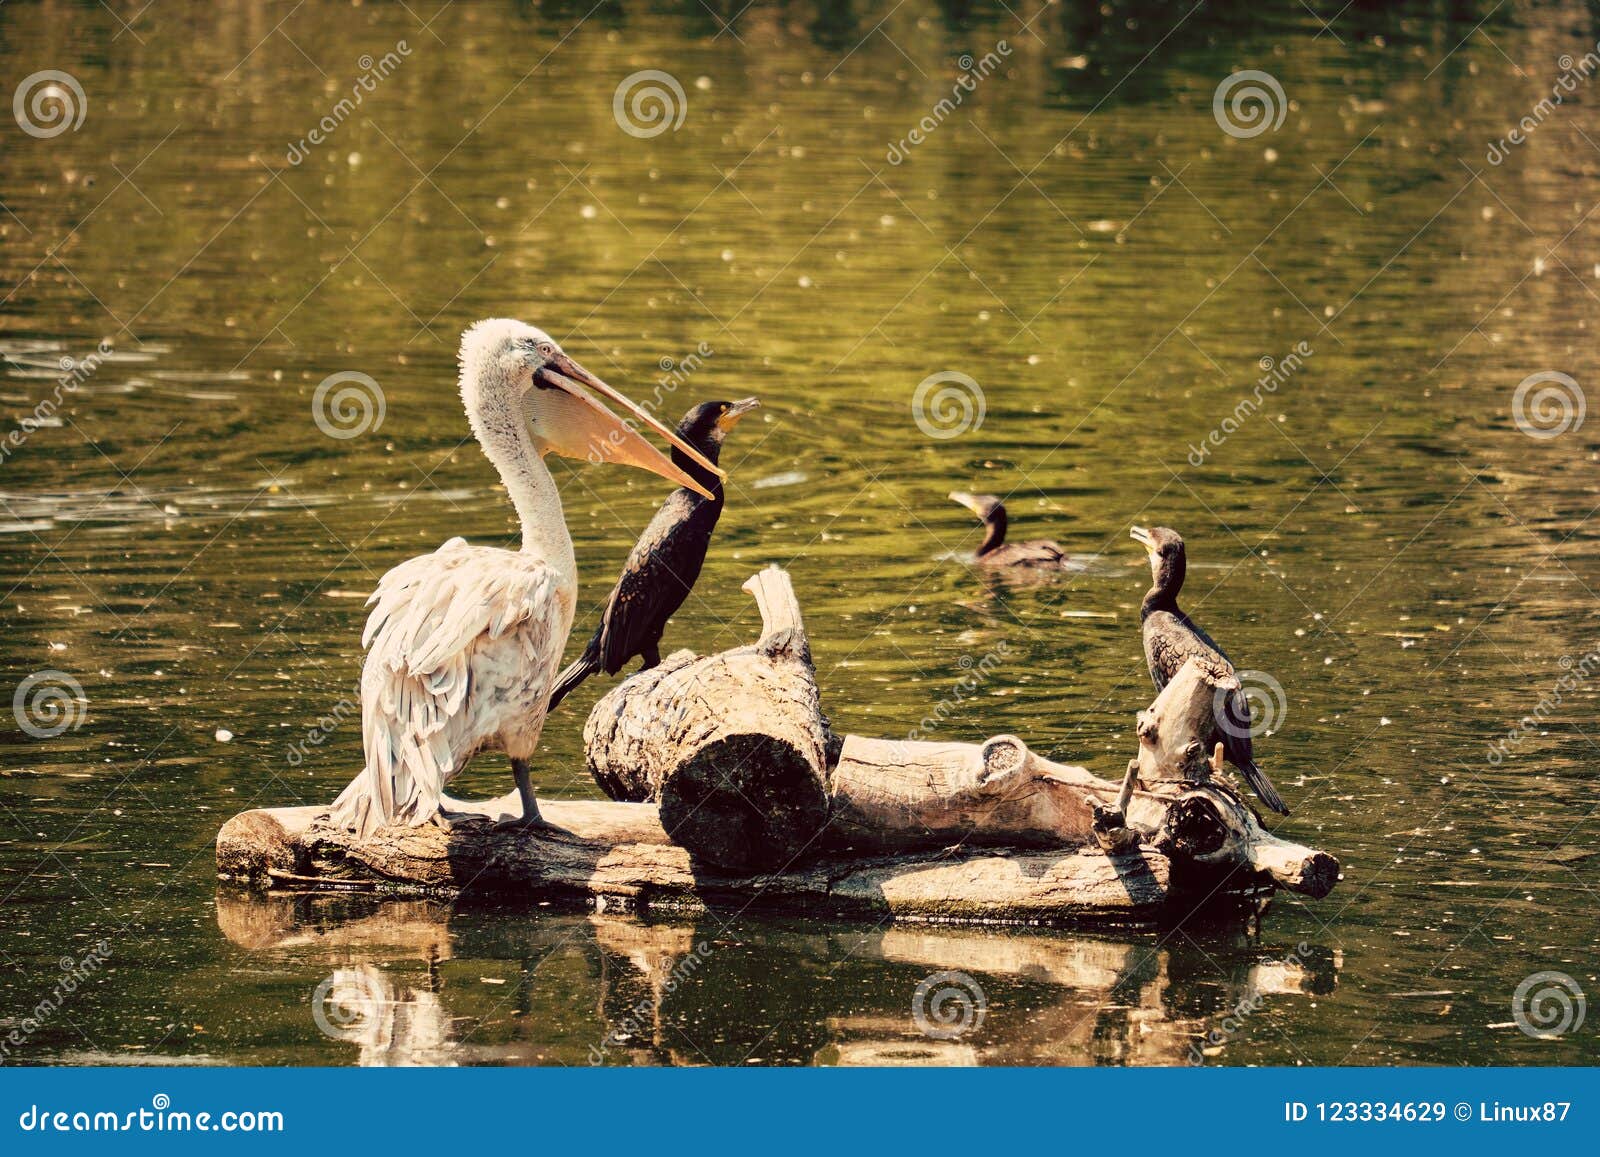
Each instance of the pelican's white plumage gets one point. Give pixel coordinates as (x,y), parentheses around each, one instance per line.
(463,621)
(463,644)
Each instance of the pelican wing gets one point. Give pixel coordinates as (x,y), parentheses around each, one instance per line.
(454,641)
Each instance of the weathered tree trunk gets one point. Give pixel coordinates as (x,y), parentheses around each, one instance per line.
(1173,730)
(903,796)
(617,855)
(734,746)
(889,794)
(673,729)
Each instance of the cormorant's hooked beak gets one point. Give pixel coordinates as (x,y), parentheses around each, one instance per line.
(1142,535)
(736,410)
(970,501)
(586,428)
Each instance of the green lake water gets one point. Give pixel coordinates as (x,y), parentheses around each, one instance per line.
(1390,530)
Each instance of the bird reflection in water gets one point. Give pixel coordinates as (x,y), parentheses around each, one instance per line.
(420,982)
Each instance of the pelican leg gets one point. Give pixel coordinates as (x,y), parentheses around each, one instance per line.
(530,806)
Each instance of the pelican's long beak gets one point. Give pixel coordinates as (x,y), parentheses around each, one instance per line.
(1143,537)
(735,411)
(586,428)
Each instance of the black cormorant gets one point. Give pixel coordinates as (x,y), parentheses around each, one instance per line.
(1171,637)
(996,551)
(664,562)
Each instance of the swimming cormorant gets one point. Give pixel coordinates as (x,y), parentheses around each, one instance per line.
(665,561)
(1171,637)
(996,551)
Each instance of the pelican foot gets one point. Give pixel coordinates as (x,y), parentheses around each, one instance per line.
(448,819)
(536,825)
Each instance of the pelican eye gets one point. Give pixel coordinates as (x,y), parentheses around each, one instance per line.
(546,349)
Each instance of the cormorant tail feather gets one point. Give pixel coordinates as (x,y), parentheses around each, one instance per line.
(566,682)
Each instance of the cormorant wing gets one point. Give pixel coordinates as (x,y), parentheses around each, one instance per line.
(660,572)
(1036,553)
(1200,634)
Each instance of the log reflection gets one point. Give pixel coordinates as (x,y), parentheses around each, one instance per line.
(422,982)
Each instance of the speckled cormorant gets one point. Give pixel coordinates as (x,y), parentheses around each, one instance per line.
(1171,637)
(996,551)
(665,561)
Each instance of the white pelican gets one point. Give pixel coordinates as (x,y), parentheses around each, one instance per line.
(463,643)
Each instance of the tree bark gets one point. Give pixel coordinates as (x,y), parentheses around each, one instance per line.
(733,746)
(888,795)
(1173,730)
(906,794)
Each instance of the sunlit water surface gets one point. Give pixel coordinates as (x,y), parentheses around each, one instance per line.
(1079,236)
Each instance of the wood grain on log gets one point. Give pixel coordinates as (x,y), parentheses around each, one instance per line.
(910,794)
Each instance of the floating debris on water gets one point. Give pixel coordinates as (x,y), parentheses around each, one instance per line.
(787,478)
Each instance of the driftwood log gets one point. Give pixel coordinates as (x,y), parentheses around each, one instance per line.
(617,856)
(732,792)
(733,746)
(902,795)
(670,734)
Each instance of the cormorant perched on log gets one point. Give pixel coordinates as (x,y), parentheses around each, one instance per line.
(1039,554)
(1171,637)
(665,561)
